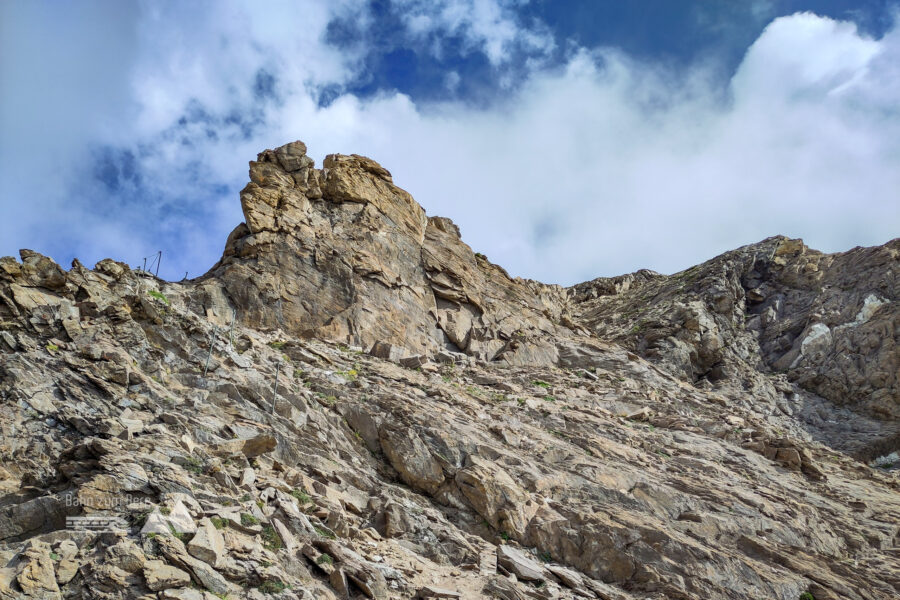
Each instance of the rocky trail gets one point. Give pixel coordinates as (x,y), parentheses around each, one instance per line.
(393,416)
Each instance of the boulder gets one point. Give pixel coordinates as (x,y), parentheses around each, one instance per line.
(207,544)
(160,576)
(516,562)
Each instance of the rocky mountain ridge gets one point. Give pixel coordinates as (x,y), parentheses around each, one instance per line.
(393,416)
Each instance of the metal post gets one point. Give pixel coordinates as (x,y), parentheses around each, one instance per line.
(231,333)
(275,395)
(158,260)
(212,341)
(145,264)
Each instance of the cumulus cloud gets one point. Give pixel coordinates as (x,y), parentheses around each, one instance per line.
(490,26)
(595,165)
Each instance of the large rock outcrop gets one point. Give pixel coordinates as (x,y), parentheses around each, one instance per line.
(395,417)
(343,254)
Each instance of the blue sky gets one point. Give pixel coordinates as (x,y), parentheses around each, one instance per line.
(568,139)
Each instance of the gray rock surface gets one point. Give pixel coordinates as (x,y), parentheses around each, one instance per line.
(438,425)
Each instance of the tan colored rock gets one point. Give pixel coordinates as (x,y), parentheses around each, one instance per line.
(516,562)
(207,544)
(36,575)
(494,495)
(175,552)
(127,556)
(180,519)
(430,591)
(160,576)
(410,456)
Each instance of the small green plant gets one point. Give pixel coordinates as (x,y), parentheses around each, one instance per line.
(218,522)
(54,556)
(545,556)
(272,586)
(301,496)
(521,401)
(807,596)
(276,345)
(324,532)
(270,539)
(245,498)
(138,520)
(480,255)
(165,510)
(248,520)
(178,534)
(349,375)
(540,383)
(260,504)
(324,559)
(194,465)
(160,296)
(52,348)
(504,536)
(549,399)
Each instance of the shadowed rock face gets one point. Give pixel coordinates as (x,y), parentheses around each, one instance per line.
(769,314)
(393,416)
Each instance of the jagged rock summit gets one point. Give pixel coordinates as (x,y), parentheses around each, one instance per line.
(341,253)
(392,416)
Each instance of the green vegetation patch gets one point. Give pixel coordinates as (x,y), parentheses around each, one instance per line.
(160,296)
(270,539)
(273,586)
(301,496)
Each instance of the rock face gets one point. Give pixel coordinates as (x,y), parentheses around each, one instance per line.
(439,429)
(343,254)
(768,315)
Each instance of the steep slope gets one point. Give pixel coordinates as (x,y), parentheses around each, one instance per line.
(393,416)
(767,314)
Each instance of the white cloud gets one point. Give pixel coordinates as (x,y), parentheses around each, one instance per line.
(490,26)
(602,166)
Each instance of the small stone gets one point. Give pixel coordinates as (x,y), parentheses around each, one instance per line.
(430,591)
(208,544)
(521,566)
(388,351)
(180,519)
(414,362)
(161,576)
(155,523)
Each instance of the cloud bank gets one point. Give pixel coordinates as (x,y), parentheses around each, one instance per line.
(132,133)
